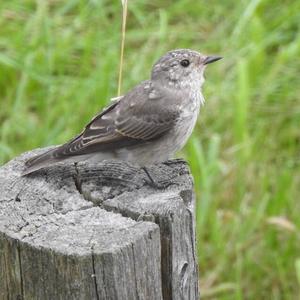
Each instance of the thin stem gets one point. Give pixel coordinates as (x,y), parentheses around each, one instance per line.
(124,17)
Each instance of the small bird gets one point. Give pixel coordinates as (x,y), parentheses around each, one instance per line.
(148,124)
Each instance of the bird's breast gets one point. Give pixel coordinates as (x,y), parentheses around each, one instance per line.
(185,124)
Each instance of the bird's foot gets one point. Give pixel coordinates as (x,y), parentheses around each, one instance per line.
(152,182)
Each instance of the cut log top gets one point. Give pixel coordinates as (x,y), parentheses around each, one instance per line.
(110,230)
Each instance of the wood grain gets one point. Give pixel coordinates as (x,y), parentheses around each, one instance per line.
(111,230)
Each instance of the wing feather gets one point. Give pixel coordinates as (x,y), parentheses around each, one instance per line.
(133,119)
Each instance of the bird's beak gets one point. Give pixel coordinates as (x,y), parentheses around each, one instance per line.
(211,59)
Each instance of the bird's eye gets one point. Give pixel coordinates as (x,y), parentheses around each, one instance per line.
(185,63)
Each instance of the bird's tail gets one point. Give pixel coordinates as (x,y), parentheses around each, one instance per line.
(40,161)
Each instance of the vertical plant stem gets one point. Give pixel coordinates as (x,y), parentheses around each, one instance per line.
(124,17)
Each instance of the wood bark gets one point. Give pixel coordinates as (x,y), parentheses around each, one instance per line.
(110,230)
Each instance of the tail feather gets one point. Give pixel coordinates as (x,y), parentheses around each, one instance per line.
(50,157)
(40,161)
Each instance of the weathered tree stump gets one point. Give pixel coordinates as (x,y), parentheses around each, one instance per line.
(106,231)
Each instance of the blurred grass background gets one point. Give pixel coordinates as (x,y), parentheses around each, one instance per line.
(58,67)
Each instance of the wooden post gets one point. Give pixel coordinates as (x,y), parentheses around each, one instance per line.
(106,231)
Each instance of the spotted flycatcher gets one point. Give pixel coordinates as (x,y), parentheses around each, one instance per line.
(148,124)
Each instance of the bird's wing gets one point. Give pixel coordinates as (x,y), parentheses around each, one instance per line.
(141,115)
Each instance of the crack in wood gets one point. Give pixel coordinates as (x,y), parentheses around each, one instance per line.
(94,273)
(77,180)
(134,270)
(21,271)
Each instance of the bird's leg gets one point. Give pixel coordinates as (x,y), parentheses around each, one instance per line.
(152,182)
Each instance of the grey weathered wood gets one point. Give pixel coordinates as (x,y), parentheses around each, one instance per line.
(106,231)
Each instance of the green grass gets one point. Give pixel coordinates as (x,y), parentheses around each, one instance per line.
(59,64)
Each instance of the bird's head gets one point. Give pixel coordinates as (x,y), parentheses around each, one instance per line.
(181,68)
